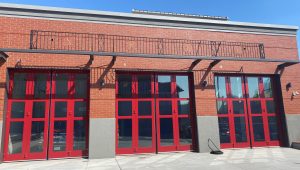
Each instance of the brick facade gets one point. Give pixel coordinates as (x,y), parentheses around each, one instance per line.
(102,99)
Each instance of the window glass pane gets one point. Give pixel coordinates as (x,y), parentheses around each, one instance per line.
(124,86)
(240,129)
(60,109)
(61,89)
(165,107)
(144,86)
(183,107)
(79,135)
(145,132)
(17,109)
(37,136)
(81,81)
(255,107)
(182,86)
(125,133)
(238,107)
(236,87)
(166,132)
(38,110)
(145,108)
(270,106)
(267,87)
(222,107)
(19,86)
(15,137)
(258,128)
(164,86)
(253,87)
(40,83)
(185,131)
(124,108)
(80,109)
(59,136)
(224,130)
(273,128)
(220,86)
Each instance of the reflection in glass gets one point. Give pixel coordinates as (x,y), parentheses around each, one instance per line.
(79,133)
(222,107)
(17,109)
(240,129)
(165,107)
(255,107)
(267,87)
(166,132)
(183,107)
(60,109)
(253,87)
(224,130)
(145,108)
(40,82)
(270,106)
(61,89)
(37,136)
(164,86)
(273,128)
(59,136)
(236,87)
(145,132)
(81,81)
(19,87)
(80,109)
(144,86)
(38,110)
(15,137)
(124,133)
(220,86)
(258,128)
(238,107)
(124,108)
(185,131)
(124,86)
(182,86)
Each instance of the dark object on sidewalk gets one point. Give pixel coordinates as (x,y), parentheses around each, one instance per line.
(215,151)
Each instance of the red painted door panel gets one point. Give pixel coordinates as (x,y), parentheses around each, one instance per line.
(32,107)
(147,113)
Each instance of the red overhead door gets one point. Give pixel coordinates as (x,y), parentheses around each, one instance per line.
(247,111)
(153,113)
(42,122)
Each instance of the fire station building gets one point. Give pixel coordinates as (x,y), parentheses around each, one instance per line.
(84,83)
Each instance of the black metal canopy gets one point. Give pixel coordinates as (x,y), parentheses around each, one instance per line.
(50,42)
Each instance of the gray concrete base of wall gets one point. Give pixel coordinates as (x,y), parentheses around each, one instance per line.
(102,138)
(208,129)
(293,127)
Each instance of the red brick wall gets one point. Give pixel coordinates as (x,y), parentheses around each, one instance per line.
(102,99)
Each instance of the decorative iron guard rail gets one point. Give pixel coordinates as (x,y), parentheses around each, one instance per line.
(49,40)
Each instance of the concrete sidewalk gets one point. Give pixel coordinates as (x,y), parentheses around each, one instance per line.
(232,159)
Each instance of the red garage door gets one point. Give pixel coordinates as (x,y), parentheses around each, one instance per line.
(247,111)
(153,113)
(47,115)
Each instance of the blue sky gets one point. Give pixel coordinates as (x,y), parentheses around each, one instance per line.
(285,12)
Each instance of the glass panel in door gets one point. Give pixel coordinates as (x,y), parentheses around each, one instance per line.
(166,132)
(164,86)
(15,141)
